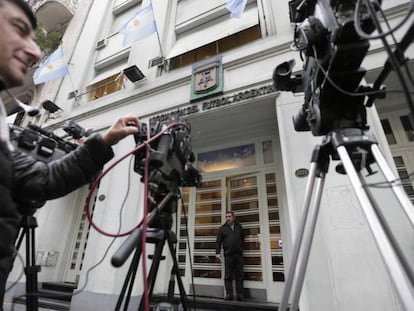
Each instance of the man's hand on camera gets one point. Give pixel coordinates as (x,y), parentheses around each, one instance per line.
(122,127)
(218,257)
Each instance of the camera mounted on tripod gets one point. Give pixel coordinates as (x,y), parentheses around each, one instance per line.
(326,37)
(41,145)
(171,158)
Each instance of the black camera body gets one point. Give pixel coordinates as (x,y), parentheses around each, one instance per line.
(40,144)
(326,37)
(171,157)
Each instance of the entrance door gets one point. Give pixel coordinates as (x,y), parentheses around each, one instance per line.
(243,199)
(80,240)
(253,198)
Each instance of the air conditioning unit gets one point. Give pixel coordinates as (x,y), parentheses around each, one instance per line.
(72,94)
(157,61)
(101,44)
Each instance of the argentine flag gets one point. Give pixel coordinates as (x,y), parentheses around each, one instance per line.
(53,68)
(139,26)
(236,7)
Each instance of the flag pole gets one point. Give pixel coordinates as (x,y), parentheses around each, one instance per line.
(158,35)
(75,91)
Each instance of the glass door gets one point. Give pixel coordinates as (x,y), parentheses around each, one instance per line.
(80,239)
(254,201)
(243,200)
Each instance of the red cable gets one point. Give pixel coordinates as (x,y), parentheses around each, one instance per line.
(144,225)
(106,171)
(143,222)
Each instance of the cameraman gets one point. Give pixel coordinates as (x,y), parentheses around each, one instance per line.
(22,176)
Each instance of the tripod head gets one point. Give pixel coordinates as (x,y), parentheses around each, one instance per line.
(333,51)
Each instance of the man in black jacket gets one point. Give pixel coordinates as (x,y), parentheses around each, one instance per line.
(230,236)
(22,177)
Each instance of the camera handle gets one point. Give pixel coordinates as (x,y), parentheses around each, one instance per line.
(339,143)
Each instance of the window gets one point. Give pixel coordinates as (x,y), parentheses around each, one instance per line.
(409,130)
(204,29)
(404,176)
(228,158)
(388,131)
(216,47)
(121,5)
(105,87)
(267,150)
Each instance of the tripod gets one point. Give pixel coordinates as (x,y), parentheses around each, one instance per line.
(27,228)
(158,237)
(357,149)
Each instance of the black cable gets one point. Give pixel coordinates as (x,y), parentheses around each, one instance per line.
(387,184)
(119,230)
(391,56)
(364,35)
(391,32)
(354,94)
(20,275)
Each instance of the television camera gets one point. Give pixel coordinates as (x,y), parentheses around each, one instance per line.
(41,145)
(169,162)
(171,156)
(44,146)
(333,39)
(165,164)
(325,34)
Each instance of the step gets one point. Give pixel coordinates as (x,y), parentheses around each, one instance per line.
(59,286)
(55,294)
(47,303)
(217,304)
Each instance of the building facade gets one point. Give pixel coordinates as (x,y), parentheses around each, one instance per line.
(216,72)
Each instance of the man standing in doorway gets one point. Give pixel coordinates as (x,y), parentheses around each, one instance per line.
(230,236)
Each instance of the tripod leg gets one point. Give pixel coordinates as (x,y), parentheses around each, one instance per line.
(153,271)
(176,271)
(20,237)
(299,236)
(396,270)
(31,271)
(129,280)
(396,187)
(307,243)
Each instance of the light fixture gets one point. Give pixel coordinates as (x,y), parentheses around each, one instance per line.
(133,73)
(50,106)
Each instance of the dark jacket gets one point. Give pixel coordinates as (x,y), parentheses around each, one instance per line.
(232,241)
(22,178)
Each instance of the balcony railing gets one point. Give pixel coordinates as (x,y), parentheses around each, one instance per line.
(70,4)
(54,15)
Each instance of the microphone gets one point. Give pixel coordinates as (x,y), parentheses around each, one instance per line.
(31,111)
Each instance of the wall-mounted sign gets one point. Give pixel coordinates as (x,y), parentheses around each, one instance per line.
(217,102)
(207,78)
(301,172)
